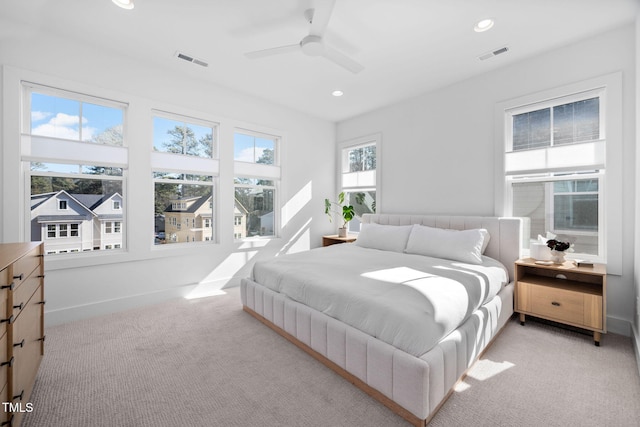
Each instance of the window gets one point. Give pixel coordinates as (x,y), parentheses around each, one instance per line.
(184,202)
(184,174)
(178,135)
(69,192)
(73,117)
(257,176)
(252,147)
(555,169)
(87,193)
(254,207)
(359,176)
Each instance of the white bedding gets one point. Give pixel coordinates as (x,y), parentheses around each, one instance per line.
(408,301)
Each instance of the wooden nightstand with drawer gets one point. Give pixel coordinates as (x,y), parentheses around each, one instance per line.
(567,294)
(335,239)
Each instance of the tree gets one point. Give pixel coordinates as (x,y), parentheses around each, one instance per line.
(110,136)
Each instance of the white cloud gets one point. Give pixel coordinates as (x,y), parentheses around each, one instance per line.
(63,126)
(247,155)
(37,116)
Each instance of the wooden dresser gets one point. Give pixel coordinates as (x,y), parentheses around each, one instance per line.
(21,326)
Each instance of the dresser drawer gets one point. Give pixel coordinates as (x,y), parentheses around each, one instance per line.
(577,308)
(557,304)
(5,281)
(5,361)
(4,396)
(27,349)
(26,265)
(24,293)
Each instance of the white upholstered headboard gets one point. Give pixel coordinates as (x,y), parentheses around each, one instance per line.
(506,233)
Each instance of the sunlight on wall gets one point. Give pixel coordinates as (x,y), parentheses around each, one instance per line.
(300,241)
(296,203)
(212,284)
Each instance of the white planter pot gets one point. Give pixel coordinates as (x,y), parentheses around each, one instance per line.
(557,257)
(342,232)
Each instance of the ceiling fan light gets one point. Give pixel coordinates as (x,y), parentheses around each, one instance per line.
(337,93)
(484,25)
(125,4)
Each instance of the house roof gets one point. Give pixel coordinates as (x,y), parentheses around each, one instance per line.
(199,201)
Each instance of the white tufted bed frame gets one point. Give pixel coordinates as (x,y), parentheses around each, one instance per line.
(412,387)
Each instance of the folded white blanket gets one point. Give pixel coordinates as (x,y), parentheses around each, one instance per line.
(408,301)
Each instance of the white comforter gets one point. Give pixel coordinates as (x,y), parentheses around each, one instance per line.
(408,301)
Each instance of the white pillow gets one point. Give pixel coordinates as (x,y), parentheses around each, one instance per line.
(486,236)
(457,245)
(384,237)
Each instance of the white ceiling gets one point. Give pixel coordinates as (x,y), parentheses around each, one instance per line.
(407,47)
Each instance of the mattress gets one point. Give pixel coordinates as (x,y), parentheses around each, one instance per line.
(408,301)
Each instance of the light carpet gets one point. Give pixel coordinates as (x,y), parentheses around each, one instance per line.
(205,362)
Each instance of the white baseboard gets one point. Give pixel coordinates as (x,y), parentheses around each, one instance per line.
(618,326)
(635,339)
(100,308)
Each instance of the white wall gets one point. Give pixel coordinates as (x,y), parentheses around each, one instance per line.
(438,149)
(80,286)
(636,275)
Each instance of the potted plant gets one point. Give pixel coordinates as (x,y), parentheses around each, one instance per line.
(557,250)
(347,211)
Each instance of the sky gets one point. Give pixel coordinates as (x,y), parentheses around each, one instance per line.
(69,119)
(74,120)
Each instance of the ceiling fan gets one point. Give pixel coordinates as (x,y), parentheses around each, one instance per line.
(313,44)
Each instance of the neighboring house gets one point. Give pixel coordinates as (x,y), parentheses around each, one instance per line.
(108,225)
(266,224)
(240,214)
(76,222)
(189,220)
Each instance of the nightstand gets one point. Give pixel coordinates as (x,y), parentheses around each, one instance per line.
(333,239)
(567,294)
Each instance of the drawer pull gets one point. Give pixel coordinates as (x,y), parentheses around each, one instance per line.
(43,302)
(10,287)
(18,396)
(19,277)
(41,339)
(557,304)
(8,423)
(41,276)
(8,362)
(19,306)
(19,344)
(8,320)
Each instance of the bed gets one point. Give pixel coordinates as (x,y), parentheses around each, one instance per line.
(404,311)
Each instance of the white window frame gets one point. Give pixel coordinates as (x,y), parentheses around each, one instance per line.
(51,150)
(343,167)
(188,165)
(254,170)
(611,249)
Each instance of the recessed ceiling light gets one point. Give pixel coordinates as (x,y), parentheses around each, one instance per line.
(337,93)
(125,4)
(483,25)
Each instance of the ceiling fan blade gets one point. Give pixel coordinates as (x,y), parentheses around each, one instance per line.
(273,51)
(321,14)
(342,60)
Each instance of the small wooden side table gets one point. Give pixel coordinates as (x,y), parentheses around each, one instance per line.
(575,296)
(334,239)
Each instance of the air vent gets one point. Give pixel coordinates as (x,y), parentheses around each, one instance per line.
(493,53)
(190,58)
